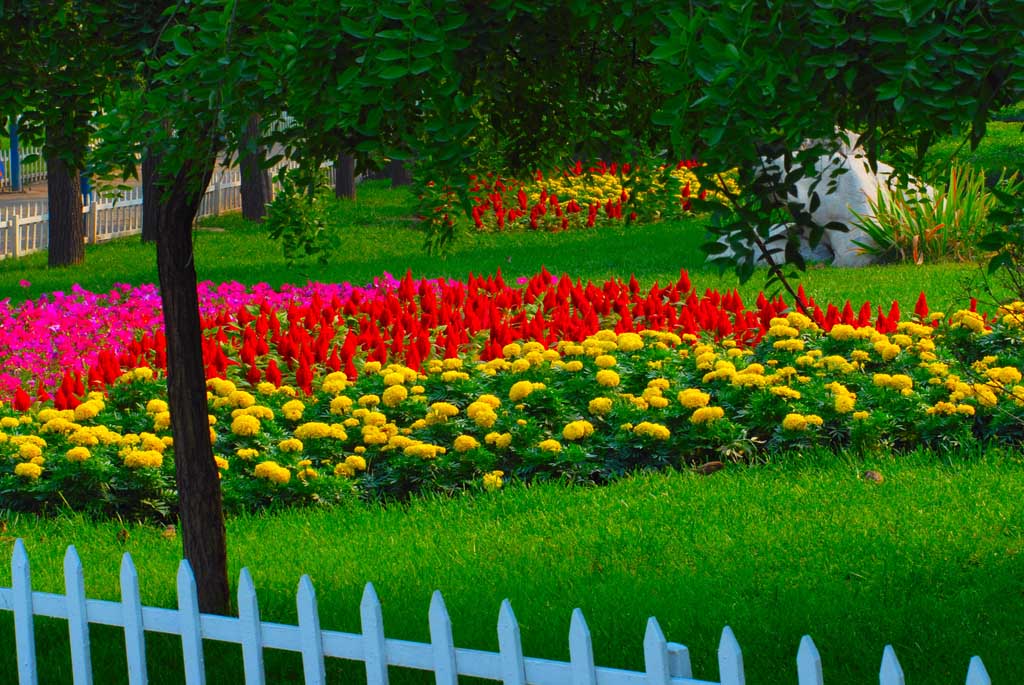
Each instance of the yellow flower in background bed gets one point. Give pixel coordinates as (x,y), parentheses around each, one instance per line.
(356,462)
(77,454)
(707,414)
(28,470)
(550,445)
(600,406)
(312,431)
(520,391)
(492,480)
(691,398)
(497,440)
(394,395)
(465,443)
(247,453)
(577,430)
(794,422)
(293,410)
(273,472)
(290,445)
(652,430)
(143,459)
(607,378)
(245,425)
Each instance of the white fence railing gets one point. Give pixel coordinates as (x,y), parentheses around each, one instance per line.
(665,663)
(31,172)
(25,228)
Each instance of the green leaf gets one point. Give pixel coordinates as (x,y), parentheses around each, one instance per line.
(395,71)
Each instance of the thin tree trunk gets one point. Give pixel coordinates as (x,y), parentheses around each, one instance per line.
(67,229)
(150,196)
(400,175)
(255,179)
(199,494)
(345,177)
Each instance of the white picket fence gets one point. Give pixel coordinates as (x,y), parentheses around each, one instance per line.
(30,173)
(25,228)
(665,663)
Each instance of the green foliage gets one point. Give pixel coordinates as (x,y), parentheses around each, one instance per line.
(912,227)
(1005,242)
(298,215)
(743,77)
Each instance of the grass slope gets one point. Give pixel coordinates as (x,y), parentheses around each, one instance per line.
(377,235)
(929,561)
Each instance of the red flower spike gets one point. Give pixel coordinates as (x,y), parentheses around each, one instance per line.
(921,309)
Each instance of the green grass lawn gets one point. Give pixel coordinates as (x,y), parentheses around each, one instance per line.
(376,235)
(929,561)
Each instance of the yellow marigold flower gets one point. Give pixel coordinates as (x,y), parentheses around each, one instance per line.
(143,459)
(143,373)
(652,430)
(965,409)
(707,414)
(87,410)
(860,415)
(813,420)
(842,331)
(290,445)
(605,361)
(293,409)
(371,367)
(9,422)
(222,463)
(247,453)
(312,431)
(969,320)
(520,390)
(691,398)
(794,422)
(356,462)
(394,395)
(29,451)
(607,378)
(372,435)
(785,391)
(844,403)
(577,430)
(498,440)
(78,454)
(574,366)
(518,366)
(155,406)
(343,470)
(28,470)
(1007,375)
(465,443)
(629,342)
(550,445)
(148,441)
(511,350)
(782,331)
(245,425)
(341,404)
(161,420)
(265,468)
(657,401)
(946,408)
(423,450)
(600,406)
(492,480)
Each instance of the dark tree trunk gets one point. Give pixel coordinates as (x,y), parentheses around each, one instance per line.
(255,179)
(345,177)
(399,174)
(150,196)
(199,494)
(67,230)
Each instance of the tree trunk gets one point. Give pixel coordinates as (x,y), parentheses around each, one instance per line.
(150,196)
(199,494)
(345,177)
(67,229)
(400,175)
(255,179)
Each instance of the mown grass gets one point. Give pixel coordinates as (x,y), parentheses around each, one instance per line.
(1000,149)
(929,561)
(376,235)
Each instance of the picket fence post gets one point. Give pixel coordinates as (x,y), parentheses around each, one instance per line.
(976,673)
(581,651)
(251,630)
(189,623)
(510,646)
(891,673)
(656,654)
(730,659)
(309,630)
(131,616)
(446,671)
(808,663)
(15,229)
(24,627)
(78,617)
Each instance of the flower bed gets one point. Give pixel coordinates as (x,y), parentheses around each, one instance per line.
(553,380)
(580,197)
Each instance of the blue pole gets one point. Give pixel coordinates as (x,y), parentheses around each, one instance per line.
(86,186)
(15,156)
